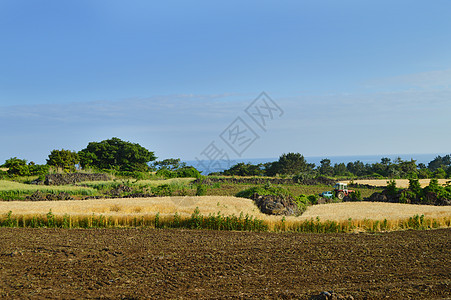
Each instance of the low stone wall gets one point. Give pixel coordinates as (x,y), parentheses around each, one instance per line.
(262,180)
(71,178)
(429,198)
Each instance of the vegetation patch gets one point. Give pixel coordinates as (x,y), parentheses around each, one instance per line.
(219,222)
(11,190)
(433,194)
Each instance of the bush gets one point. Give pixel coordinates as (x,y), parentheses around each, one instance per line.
(313,199)
(165,173)
(415,188)
(185,172)
(303,202)
(201,190)
(162,190)
(440,191)
(356,196)
(440,173)
(188,172)
(392,190)
(265,190)
(407,196)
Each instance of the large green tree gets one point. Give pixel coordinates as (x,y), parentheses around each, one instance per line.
(326,168)
(290,164)
(116,154)
(243,169)
(64,159)
(440,162)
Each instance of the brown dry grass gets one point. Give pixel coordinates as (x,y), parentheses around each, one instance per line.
(184,206)
(401,183)
(374,211)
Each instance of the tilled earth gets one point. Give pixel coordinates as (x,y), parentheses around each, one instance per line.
(187,264)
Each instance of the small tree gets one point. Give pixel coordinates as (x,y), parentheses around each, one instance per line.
(326,168)
(289,164)
(439,162)
(392,190)
(243,169)
(64,159)
(17,167)
(440,173)
(171,164)
(415,187)
(340,169)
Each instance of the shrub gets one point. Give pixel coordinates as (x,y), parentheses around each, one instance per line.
(201,190)
(187,172)
(415,188)
(440,173)
(162,190)
(356,196)
(165,173)
(313,199)
(392,190)
(407,196)
(265,190)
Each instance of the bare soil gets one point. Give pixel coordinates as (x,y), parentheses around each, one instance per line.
(187,264)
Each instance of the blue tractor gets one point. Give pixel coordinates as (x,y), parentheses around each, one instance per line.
(328,195)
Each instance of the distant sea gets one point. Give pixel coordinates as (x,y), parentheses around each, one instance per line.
(366,159)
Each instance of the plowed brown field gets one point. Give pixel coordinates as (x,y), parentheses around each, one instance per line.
(188,264)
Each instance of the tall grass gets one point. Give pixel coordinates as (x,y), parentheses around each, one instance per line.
(220,222)
(330,226)
(196,221)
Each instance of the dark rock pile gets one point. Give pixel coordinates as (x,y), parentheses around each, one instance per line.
(276,205)
(71,178)
(330,295)
(364,186)
(40,196)
(120,190)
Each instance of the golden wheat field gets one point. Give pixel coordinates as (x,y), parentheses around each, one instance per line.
(185,205)
(401,183)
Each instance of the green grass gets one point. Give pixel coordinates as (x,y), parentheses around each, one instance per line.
(228,189)
(17,190)
(133,183)
(11,190)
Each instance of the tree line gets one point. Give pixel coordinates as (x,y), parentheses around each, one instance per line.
(294,164)
(113,155)
(122,156)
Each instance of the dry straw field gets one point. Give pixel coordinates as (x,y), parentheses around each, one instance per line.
(227,206)
(401,183)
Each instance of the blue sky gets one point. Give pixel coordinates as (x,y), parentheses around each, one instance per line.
(352,77)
